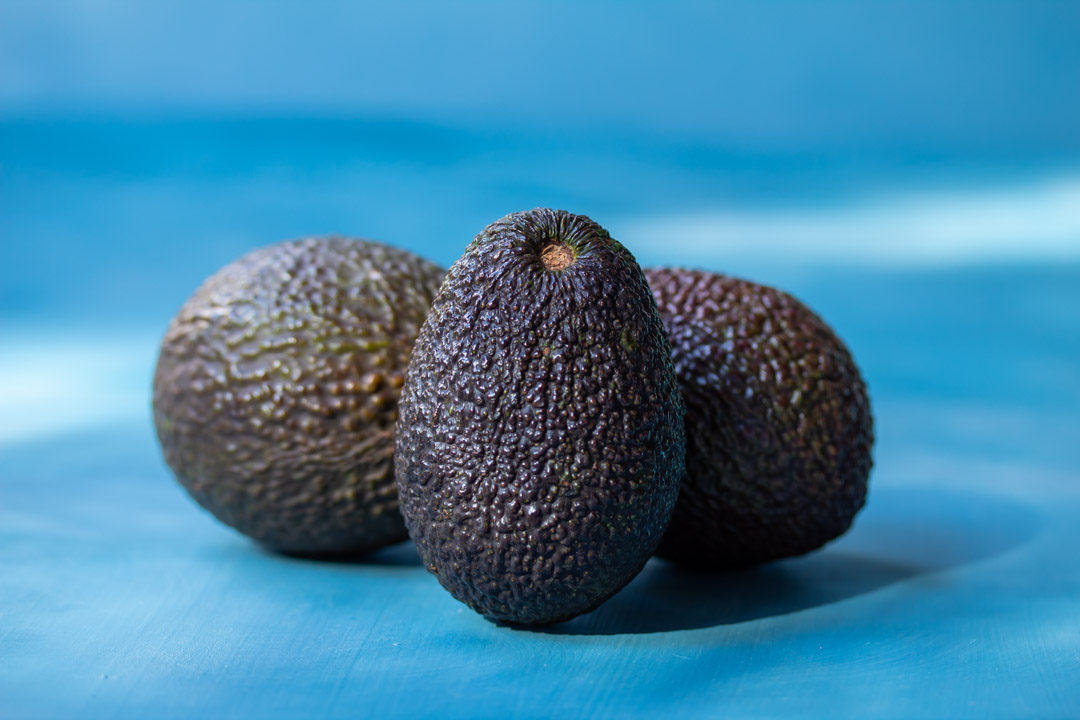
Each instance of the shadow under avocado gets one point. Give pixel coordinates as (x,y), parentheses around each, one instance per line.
(402,554)
(903,533)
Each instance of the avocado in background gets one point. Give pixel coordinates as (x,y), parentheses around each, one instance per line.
(778,425)
(541,437)
(276,390)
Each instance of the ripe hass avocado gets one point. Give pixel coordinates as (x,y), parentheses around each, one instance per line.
(541,441)
(276,389)
(778,425)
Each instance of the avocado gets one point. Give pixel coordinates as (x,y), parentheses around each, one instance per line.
(541,437)
(276,390)
(778,425)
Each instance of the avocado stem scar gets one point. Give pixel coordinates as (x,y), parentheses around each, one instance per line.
(557,256)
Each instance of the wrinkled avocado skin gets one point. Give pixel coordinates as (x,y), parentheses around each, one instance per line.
(778,424)
(276,389)
(541,436)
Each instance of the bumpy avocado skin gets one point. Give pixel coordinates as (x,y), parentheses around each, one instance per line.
(276,390)
(778,425)
(541,436)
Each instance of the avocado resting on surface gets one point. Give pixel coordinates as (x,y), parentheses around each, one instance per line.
(276,389)
(779,431)
(541,436)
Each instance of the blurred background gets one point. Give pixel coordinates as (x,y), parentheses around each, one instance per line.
(911,170)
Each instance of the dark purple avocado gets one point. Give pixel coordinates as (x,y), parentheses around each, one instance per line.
(779,431)
(540,443)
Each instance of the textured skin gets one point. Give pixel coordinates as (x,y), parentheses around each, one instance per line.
(275,395)
(778,425)
(541,436)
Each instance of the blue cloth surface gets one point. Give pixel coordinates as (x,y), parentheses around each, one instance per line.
(956,593)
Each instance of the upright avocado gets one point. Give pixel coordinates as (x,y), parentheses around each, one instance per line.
(276,391)
(541,437)
(778,425)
